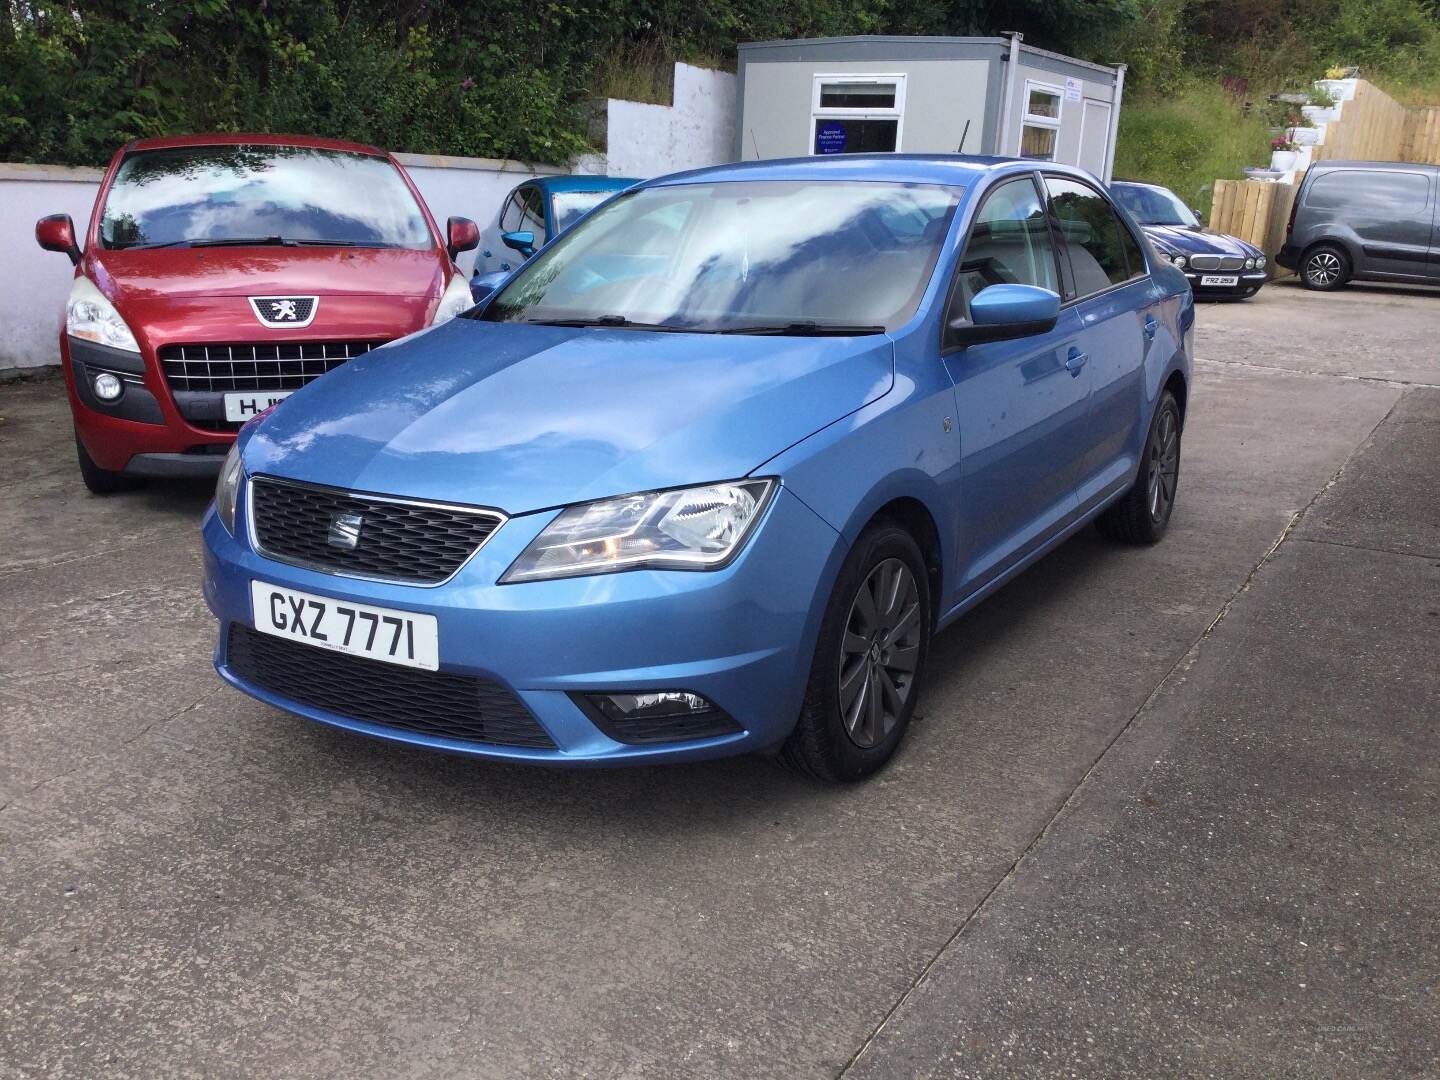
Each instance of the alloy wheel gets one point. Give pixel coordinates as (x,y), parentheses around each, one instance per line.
(1324,268)
(879,652)
(1164,465)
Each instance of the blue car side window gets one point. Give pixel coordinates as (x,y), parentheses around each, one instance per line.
(1009,244)
(1093,236)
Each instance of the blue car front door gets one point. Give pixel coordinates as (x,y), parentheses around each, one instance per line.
(1021,405)
(1117,308)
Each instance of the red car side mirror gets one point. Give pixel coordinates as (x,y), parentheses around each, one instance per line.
(57,233)
(462,234)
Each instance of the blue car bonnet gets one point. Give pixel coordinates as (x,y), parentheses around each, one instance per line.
(528,417)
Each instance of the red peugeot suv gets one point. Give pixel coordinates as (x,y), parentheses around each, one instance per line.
(223,272)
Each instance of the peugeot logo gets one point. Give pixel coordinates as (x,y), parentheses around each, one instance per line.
(285,311)
(345,531)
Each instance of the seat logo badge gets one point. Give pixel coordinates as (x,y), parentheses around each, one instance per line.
(345,531)
(281,312)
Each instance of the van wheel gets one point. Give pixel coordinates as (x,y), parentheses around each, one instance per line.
(1326,267)
(869,659)
(102,481)
(1143,513)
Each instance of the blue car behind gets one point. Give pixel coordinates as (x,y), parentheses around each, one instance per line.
(705,476)
(532,215)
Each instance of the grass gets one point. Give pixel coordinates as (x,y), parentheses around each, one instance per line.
(644,72)
(1188,137)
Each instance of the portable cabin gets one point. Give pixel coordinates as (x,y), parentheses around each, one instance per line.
(926,95)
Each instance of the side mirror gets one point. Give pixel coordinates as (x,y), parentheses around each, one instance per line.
(57,233)
(461,234)
(1003,312)
(1198,216)
(483,286)
(523,242)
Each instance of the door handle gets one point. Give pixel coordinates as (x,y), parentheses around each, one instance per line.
(1150,327)
(1075,361)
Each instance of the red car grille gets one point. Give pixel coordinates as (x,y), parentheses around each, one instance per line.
(277,366)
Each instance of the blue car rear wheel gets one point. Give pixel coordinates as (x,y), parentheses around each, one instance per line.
(1142,514)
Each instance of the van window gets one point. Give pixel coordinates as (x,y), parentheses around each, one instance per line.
(1393,193)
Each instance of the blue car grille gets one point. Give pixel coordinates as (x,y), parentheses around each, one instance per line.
(411,542)
(435,703)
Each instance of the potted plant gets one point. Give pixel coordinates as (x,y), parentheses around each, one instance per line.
(1322,108)
(1282,152)
(1339,83)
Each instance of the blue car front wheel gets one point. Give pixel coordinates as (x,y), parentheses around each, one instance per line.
(869,660)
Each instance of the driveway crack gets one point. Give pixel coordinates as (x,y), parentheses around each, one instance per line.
(121,745)
(1378,380)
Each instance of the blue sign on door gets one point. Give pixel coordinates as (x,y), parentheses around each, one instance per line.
(830,138)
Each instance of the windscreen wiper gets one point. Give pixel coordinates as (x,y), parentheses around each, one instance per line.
(140,245)
(617,322)
(805,328)
(244,241)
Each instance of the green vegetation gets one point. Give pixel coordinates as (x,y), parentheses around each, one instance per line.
(509,78)
(1184,139)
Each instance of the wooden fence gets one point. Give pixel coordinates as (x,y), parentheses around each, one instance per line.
(1422,136)
(1373,126)
(1256,211)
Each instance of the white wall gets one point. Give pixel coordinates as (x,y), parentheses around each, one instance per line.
(34,283)
(696,131)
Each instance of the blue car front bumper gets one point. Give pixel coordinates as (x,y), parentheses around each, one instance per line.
(742,636)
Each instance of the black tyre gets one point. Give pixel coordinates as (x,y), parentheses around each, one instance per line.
(1142,514)
(1325,267)
(102,481)
(869,659)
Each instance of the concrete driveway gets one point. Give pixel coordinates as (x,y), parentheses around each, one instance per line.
(1167,812)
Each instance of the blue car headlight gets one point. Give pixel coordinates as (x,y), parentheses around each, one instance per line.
(227,489)
(698,528)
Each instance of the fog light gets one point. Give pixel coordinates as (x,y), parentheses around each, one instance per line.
(108,387)
(661,703)
(649,716)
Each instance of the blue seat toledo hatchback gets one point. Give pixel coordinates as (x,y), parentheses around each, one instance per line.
(707,474)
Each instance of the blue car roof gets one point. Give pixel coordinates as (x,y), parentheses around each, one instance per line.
(586,182)
(958,170)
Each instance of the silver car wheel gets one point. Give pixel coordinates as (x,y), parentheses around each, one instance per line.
(1323,268)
